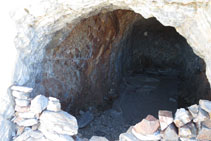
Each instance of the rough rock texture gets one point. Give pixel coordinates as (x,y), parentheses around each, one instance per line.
(32,29)
(44,38)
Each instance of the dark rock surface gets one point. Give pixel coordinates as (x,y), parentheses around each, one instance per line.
(84,64)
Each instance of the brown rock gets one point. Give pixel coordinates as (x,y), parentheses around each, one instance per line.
(149,125)
(165,118)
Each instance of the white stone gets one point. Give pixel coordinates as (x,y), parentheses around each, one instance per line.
(128,136)
(54,104)
(194,109)
(22,102)
(98,138)
(188,139)
(170,133)
(22,109)
(201,116)
(205,105)
(38,104)
(52,135)
(182,117)
(27,122)
(60,122)
(165,118)
(20,95)
(23,136)
(188,131)
(36,134)
(155,136)
(21,89)
(27,115)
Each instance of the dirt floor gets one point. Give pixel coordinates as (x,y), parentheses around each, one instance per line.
(140,95)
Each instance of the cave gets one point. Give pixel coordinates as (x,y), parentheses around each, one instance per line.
(117,62)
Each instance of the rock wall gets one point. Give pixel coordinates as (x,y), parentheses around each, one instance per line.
(87,64)
(31,25)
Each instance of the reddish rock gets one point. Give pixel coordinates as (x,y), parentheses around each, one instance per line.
(149,125)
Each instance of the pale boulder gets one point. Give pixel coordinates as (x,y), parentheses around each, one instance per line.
(38,104)
(54,104)
(60,122)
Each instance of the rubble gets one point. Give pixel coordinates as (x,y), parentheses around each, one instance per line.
(42,119)
(182,117)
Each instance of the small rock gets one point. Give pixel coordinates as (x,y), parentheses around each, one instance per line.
(202,116)
(188,131)
(188,139)
(165,118)
(22,109)
(27,122)
(36,134)
(20,130)
(182,117)
(60,122)
(170,133)
(207,123)
(128,136)
(85,119)
(54,104)
(20,95)
(205,105)
(21,89)
(35,127)
(27,115)
(149,125)
(38,104)
(54,136)
(204,134)
(23,136)
(22,102)
(98,138)
(194,109)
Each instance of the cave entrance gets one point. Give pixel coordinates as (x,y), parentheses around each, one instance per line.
(121,67)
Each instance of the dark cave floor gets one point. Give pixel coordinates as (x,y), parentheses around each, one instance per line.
(140,95)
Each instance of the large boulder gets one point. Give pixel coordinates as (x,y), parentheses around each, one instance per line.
(60,122)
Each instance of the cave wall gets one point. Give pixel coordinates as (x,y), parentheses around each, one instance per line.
(87,65)
(31,25)
(159,48)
